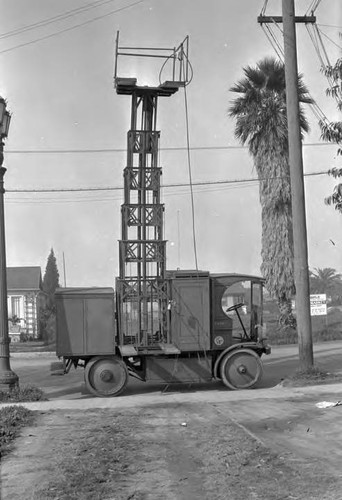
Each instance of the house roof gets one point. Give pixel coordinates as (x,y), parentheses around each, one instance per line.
(24,278)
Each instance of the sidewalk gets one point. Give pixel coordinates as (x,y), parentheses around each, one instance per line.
(298,394)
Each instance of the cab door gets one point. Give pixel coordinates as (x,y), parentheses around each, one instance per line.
(190,313)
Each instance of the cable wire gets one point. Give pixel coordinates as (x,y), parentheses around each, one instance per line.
(316,6)
(58,17)
(330,26)
(190,177)
(274,43)
(279,50)
(323,57)
(123,150)
(263,10)
(70,28)
(170,185)
(330,39)
(309,9)
(322,44)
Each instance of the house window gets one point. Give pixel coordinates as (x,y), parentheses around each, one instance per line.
(15,306)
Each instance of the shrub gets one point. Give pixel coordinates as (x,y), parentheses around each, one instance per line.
(320,333)
(21,394)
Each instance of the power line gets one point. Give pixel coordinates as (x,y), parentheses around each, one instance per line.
(330,26)
(279,50)
(190,178)
(85,199)
(113,150)
(173,185)
(82,198)
(70,28)
(316,6)
(273,41)
(330,39)
(264,7)
(53,19)
(309,9)
(313,7)
(124,150)
(321,51)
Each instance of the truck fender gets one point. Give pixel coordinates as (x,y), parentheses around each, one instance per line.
(244,345)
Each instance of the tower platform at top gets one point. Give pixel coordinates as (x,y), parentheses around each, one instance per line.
(129,86)
(175,70)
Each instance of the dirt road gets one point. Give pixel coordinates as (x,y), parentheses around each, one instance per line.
(261,449)
(269,444)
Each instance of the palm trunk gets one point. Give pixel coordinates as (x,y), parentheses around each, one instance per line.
(286,317)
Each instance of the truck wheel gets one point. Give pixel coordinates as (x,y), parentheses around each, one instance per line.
(106,376)
(241,369)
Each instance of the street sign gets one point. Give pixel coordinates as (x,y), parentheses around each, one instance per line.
(318,304)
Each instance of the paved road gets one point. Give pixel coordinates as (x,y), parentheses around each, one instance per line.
(34,368)
(284,361)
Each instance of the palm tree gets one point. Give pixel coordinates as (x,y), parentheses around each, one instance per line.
(261,123)
(327,281)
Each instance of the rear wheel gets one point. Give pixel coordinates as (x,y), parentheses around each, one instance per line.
(241,369)
(106,376)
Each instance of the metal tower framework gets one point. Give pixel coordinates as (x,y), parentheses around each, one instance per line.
(141,288)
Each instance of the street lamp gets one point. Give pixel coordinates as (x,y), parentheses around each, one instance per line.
(8,379)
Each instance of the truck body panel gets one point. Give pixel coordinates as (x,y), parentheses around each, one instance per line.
(85,321)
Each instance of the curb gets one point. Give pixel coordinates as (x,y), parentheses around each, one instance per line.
(35,354)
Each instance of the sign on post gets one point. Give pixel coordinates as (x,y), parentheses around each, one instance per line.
(318,304)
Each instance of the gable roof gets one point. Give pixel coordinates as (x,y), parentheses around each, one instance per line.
(24,278)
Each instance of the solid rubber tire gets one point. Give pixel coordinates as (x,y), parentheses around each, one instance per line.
(231,356)
(111,367)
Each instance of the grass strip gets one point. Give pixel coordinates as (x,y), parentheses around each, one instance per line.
(12,419)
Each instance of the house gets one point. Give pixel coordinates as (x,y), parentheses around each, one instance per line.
(24,297)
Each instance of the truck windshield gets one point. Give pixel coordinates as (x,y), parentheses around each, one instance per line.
(248,294)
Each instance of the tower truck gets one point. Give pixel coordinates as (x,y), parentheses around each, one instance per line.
(166,326)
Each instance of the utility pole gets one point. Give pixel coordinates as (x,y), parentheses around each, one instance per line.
(301,269)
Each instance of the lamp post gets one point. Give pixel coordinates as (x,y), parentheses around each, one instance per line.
(8,379)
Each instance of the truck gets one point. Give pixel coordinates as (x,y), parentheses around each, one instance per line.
(166,326)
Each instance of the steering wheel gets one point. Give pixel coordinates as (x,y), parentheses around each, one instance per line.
(235,306)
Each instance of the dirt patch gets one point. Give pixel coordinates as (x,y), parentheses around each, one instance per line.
(314,376)
(171,452)
(302,432)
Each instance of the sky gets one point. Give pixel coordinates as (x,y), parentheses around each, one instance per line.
(69,130)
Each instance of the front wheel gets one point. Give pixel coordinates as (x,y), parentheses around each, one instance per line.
(241,369)
(106,376)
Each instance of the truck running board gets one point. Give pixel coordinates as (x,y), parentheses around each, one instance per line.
(128,350)
(169,348)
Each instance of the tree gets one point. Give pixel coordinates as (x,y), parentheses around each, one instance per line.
(332,131)
(326,281)
(261,123)
(51,278)
(47,313)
